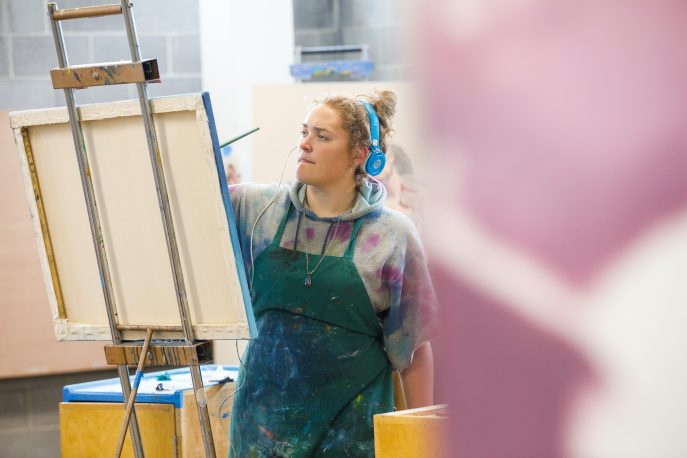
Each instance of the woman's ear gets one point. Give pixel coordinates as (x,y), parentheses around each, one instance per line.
(360,156)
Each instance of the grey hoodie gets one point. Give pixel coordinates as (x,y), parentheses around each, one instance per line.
(371,197)
(388,253)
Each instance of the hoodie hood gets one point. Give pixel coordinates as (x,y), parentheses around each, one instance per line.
(371,197)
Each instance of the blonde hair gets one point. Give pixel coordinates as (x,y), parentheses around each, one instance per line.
(355,120)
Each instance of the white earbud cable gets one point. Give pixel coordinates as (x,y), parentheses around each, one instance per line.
(252,232)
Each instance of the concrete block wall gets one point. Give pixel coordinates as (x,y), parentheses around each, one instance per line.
(29,413)
(167,30)
(382,24)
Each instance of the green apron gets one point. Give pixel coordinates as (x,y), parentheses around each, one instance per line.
(317,373)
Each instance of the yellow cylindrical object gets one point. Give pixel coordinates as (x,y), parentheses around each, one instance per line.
(87,11)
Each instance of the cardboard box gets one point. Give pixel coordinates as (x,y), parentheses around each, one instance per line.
(414,433)
(91,416)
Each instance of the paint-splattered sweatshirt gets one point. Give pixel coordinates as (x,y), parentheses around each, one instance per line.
(388,254)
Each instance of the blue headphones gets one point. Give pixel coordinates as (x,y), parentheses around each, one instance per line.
(376,160)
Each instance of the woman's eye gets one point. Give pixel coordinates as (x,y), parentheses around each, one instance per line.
(304,133)
(323,138)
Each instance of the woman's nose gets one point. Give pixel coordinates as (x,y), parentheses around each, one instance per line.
(304,143)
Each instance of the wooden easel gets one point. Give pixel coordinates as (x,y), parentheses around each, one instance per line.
(122,354)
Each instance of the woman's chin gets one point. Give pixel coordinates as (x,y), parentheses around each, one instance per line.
(303,176)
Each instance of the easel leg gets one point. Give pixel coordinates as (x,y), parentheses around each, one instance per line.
(203,415)
(132,396)
(125,382)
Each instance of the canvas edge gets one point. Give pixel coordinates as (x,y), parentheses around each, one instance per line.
(231,220)
(37,232)
(105,110)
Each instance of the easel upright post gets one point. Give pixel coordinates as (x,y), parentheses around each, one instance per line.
(170,235)
(94,222)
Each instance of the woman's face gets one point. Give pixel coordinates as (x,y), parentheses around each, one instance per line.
(324,158)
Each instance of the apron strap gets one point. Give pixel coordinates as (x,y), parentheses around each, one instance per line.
(351,245)
(280,231)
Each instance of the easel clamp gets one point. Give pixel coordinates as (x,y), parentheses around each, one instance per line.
(160,354)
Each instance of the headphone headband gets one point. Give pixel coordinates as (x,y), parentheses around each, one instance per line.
(376,159)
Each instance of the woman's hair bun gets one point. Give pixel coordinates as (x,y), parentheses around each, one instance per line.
(384,103)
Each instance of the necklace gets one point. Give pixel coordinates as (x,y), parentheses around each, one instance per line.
(309,273)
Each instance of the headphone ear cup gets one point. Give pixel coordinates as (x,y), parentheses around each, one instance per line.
(375,163)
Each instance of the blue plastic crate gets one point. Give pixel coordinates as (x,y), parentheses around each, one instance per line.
(110,390)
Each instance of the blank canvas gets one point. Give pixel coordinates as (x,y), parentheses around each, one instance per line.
(130,216)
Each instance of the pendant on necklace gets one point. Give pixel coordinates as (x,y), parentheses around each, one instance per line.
(307,282)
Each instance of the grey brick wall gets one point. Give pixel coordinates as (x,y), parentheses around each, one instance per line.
(29,413)
(381,24)
(167,29)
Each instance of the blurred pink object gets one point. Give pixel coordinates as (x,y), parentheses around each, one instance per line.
(565,126)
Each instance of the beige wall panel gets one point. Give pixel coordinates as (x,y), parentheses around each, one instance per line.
(280,110)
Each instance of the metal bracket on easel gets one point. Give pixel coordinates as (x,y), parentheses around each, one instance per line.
(139,72)
(160,354)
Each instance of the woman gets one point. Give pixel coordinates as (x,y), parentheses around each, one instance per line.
(341,295)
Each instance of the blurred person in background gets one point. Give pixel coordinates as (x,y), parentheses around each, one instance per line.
(403,188)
